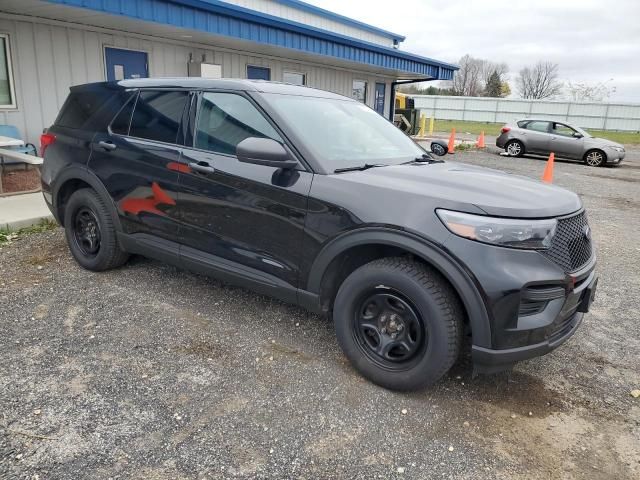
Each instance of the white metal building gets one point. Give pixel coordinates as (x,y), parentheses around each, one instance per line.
(48,45)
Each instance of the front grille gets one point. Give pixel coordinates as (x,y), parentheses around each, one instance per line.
(571,245)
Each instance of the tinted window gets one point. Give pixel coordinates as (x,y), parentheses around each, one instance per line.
(121,123)
(225,119)
(258,73)
(91,109)
(157,115)
(538,126)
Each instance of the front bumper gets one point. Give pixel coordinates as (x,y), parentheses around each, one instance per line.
(532,304)
(614,157)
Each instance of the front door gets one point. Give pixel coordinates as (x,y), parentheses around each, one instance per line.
(248,218)
(379,100)
(124,64)
(565,141)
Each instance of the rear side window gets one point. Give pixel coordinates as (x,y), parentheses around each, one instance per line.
(157,115)
(91,109)
(538,126)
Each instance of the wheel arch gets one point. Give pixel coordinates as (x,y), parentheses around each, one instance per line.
(74,178)
(595,149)
(337,260)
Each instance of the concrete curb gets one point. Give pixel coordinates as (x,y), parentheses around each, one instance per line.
(20,211)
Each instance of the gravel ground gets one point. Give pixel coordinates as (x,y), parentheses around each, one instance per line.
(148,372)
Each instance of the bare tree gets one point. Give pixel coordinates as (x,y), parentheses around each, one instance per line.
(539,81)
(590,92)
(467,81)
(488,68)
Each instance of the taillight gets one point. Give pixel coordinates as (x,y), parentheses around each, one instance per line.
(46,139)
(505,129)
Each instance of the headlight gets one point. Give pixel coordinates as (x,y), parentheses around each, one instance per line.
(505,232)
(617,149)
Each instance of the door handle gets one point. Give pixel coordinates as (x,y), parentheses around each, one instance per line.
(202,167)
(107,145)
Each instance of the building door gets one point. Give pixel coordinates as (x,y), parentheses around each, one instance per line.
(123,64)
(258,73)
(379,100)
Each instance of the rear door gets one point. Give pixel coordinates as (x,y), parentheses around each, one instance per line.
(137,160)
(536,136)
(242,217)
(564,143)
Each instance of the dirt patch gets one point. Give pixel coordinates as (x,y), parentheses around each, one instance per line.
(16,181)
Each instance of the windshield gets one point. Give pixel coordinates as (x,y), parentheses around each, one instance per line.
(344,133)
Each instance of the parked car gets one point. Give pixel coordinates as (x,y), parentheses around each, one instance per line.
(541,137)
(315,199)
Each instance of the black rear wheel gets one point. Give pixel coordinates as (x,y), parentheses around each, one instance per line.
(399,322)
(90,232)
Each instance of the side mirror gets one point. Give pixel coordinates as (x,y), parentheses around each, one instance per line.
(577,135)
(264,151)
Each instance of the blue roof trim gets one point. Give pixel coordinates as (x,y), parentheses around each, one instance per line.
(220,18)
(340,18)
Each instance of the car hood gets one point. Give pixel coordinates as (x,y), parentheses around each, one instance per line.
(602,142)
(468,188)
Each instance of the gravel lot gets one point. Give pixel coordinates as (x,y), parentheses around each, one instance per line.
(148,372)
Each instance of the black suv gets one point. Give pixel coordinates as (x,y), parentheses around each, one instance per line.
(315,199)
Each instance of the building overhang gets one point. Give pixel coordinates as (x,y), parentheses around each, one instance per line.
(230,26)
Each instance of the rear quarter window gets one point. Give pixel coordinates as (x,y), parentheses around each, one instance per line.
(91,109)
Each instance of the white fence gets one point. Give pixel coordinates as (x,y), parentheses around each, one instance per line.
(601,116)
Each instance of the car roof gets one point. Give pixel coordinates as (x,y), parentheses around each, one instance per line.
(537,119)
(262,86)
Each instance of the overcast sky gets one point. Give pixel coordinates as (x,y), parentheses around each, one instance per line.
(591,40)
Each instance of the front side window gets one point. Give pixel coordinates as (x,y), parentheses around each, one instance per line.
(294,78)
(538,126)
(157,115)
(563,130)
(225,119)
(7,93)
(343,133)
(359,92)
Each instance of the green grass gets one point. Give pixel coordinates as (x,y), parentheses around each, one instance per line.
(626,138)
(45,225)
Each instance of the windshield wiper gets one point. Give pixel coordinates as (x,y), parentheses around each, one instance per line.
(426,158)
(366,166)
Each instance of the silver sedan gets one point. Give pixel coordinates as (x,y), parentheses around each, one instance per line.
(541,137)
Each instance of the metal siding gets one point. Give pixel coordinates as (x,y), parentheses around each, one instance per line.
(48,59)
(245,27)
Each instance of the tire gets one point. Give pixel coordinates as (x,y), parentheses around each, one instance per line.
(515,148)
(595,158)
(90,232)
(393,283)
(438,149)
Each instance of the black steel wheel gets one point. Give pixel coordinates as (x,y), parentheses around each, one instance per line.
(399,322)
(86,232)
(90,231)
(389,329)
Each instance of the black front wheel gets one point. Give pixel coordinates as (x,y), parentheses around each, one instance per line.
(91,233)
(399,322)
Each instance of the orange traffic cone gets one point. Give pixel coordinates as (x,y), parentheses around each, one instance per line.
(452,140)
(547,176)
(480,142)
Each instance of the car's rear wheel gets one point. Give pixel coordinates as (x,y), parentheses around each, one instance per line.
(90,232)
(595,158)
(399,322)
(514,148)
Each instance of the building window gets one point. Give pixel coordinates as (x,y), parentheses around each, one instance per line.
(360,91)
(294,78)
(258,73)
(7,92)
